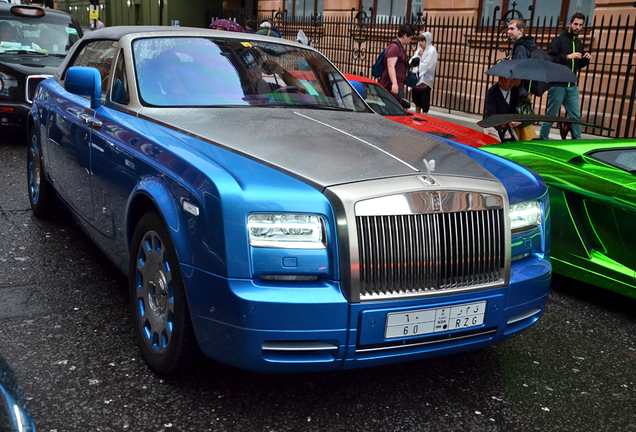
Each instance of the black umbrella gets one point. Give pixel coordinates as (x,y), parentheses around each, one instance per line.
(532,69)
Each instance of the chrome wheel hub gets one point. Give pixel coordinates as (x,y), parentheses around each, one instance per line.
(155,299)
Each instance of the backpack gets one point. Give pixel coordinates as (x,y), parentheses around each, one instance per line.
(378,67)
(540,54)
(539,87)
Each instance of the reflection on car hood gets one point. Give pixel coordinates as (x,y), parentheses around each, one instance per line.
(451,131)
(322,147)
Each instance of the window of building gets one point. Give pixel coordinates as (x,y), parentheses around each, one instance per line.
(559,11)
(392,11)
(304,8)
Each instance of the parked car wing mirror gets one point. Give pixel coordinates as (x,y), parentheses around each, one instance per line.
(85,81)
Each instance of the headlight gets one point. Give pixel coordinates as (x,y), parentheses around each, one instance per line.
(525,215)
(292,231)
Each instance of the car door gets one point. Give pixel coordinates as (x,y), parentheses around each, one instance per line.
(623,167)
(69,151)
(113,166)
(72,126)
(602,216)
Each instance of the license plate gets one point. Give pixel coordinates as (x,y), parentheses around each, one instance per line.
(426,321)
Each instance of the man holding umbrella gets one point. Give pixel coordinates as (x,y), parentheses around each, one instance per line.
(567,50)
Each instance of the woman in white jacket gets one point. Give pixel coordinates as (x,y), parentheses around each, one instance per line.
(427,59)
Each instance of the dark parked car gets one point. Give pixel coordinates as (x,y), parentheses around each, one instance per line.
(14,410)
(33,43)
(264,212)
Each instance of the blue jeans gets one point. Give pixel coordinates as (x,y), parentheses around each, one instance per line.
(569,98)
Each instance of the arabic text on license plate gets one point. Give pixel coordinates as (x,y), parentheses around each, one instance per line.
(424,321)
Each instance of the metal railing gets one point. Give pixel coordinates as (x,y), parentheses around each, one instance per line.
(468,47)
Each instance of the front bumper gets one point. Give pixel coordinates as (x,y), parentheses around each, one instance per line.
(301,328)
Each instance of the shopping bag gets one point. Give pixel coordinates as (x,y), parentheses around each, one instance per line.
(526,133)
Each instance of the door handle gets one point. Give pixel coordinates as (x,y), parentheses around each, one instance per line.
(90,121)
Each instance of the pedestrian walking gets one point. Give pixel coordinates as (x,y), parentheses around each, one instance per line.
(99,25)
(523,44)
(267,30)
(567,49)
(395,63)
(250,26)
(424,62)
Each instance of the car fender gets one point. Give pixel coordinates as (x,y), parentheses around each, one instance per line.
(158,192)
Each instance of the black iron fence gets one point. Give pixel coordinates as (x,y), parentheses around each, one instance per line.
(467,48)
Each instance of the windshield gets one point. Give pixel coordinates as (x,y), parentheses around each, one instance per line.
(44,35)
(624,159)
(381,101)
(192,71)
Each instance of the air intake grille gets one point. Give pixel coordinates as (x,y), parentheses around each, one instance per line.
(415,254)
(32,84)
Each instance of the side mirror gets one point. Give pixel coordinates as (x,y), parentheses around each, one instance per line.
(359,88)
(85,81)
(406,104)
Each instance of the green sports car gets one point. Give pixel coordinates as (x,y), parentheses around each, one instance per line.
(592,186)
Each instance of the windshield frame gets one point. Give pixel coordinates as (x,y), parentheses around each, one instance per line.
(252,73)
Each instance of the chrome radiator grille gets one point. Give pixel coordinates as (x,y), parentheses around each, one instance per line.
(415,254)
(32,84)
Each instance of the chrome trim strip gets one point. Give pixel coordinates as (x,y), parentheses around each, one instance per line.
(523,315)
(401,346)
(298,346)
(423,202)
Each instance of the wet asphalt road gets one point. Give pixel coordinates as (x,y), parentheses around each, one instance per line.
(65,329)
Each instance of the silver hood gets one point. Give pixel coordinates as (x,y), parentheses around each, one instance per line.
(323,148)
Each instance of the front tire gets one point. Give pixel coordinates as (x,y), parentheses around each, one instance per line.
(157,298)
(40,190)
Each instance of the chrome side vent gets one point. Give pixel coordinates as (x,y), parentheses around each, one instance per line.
(32,83)
(416,254)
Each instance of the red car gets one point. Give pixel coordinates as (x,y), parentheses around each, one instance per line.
(383,103)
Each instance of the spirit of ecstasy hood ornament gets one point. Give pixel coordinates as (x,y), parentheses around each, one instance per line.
(430,167)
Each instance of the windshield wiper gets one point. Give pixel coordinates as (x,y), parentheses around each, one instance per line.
(22,51)
(314,106)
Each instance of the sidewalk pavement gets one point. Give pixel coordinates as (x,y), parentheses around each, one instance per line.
(470,121)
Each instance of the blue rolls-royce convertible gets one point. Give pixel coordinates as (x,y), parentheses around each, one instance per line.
(266,215)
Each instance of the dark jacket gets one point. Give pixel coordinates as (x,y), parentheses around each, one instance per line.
(565,44)
(523,47)
(496,104)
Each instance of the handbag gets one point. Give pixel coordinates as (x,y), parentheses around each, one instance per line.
(411,79)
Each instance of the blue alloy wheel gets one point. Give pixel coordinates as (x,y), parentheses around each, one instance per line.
(157,299)
(40,192)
